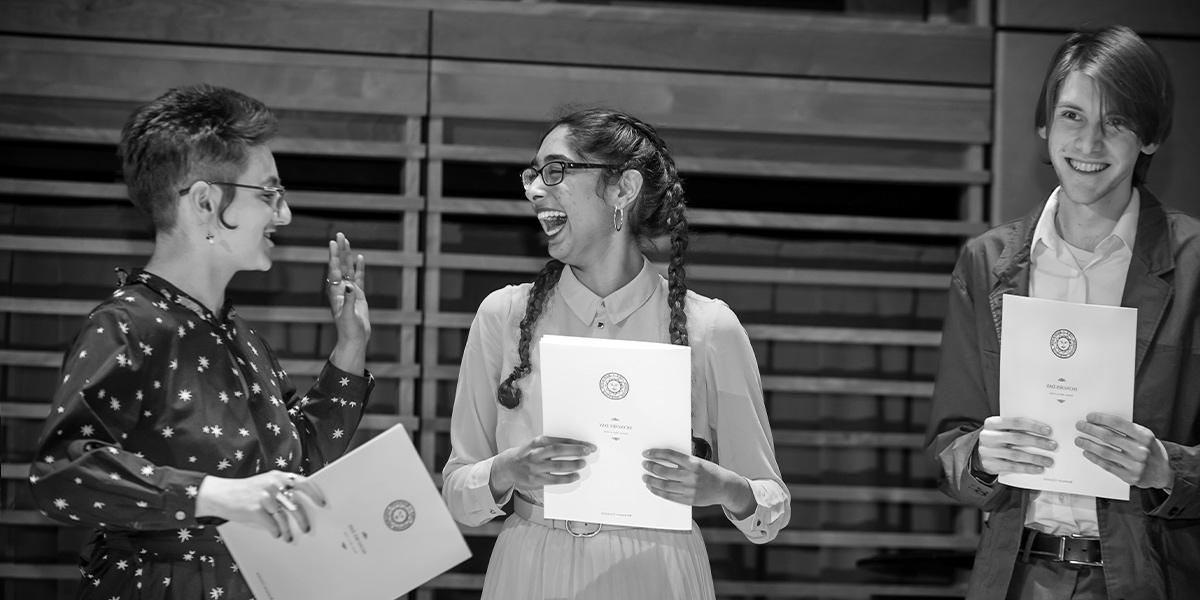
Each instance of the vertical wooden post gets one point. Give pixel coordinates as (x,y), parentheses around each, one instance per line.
(433,244)
(410,232)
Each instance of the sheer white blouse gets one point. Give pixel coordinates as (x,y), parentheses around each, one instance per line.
(727,399)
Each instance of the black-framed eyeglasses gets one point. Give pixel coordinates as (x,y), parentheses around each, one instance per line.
(553,172)
(271,195)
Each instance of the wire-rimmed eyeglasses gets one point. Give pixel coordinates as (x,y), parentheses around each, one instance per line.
(553,172)
(271,195)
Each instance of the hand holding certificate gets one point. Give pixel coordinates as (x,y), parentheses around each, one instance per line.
(1060,361)
(384,531)
(625,398)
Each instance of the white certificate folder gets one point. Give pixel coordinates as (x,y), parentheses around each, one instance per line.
(625,397)
(384,531)
(1060,361)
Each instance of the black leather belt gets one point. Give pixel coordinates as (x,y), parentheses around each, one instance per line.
(1070,549)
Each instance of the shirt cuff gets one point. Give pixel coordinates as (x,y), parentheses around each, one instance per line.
(1177,500)
(770,504)
(179,501)
(477,492)
(336,383)
(1163,450)
(979,475)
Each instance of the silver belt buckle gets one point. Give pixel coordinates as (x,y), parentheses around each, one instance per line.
(583,534)
(1062,551)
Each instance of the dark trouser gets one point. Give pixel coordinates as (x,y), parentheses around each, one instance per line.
(1038,579)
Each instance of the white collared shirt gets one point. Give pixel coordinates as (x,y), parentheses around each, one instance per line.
(1069,274)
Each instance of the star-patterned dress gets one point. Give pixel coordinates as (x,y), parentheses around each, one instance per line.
(156,393)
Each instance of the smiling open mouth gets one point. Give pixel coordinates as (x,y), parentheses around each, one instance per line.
(552,221)
(1087,167)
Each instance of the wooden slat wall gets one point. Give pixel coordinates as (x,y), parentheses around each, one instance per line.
(79,91)
(492,113)
(430,88)
(748,104)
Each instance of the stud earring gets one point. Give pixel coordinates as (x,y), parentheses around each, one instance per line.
(210,238)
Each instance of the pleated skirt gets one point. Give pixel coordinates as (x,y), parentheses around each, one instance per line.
(532,561)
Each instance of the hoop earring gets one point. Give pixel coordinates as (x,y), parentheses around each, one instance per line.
(618,218)
(209,237)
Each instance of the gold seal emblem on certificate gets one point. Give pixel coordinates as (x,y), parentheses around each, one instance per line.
(399,515)
(1063,343)
(614,386)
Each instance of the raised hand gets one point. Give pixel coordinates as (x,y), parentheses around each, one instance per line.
(266,501)
(695,481)
(344,287)
(543,461)
(1002,443)
(1126,449)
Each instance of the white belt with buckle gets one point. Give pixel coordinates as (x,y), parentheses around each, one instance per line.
(535,514)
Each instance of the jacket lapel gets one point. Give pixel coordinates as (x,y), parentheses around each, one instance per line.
(1011,271)
(1146,288)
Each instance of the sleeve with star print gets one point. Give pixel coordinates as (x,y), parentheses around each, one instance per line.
(82,473)
(327,416)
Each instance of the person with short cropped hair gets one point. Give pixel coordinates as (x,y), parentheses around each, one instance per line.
(602,183)
(173,416)
(1101,237)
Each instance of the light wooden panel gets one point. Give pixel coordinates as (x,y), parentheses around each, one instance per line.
(730,41)
(1175,17)
(716,102)
(297,24)
(93,121)
(117,71)
(862,171)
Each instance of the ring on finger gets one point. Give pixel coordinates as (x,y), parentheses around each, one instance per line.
(286,499)
(331,282)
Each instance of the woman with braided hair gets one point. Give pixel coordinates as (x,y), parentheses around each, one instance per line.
(602,184)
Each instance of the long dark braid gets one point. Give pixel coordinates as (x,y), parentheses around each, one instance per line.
(676,274)
(677,228)
(612,137)
(543,287)
(661,210)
